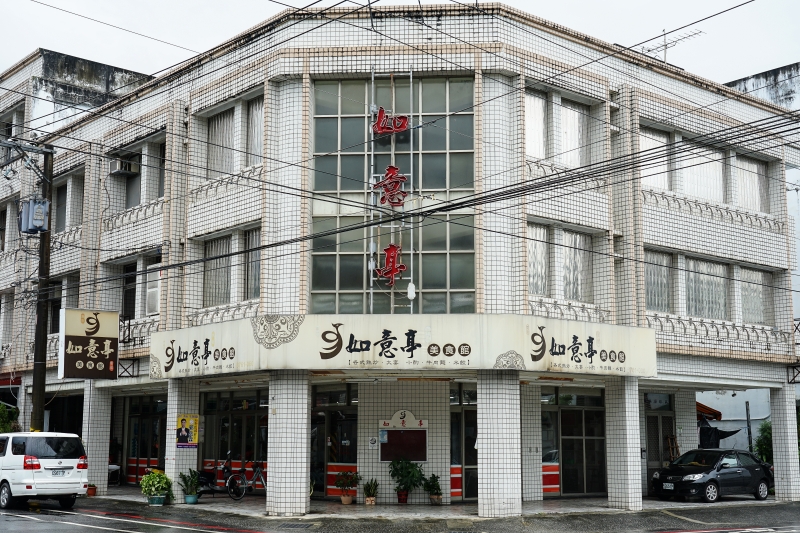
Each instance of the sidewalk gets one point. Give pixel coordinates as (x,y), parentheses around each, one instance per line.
(253,505)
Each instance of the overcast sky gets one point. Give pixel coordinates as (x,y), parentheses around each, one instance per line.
(751,39)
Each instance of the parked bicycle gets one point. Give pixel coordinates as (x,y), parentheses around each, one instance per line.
(208,479)
(239,485)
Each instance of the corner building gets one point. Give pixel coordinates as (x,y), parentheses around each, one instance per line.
(593,236)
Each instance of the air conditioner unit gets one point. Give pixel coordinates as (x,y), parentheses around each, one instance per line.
(123,168)
(153,299)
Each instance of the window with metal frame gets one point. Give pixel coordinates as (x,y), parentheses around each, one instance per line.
(535,125)
(255,130)
(60,198)
(756,296)
(538,260)
(654,162)
(575,147)
(706,289)
(578,266)
(252,271)
(658,281)
(752,184)
(221,145)
(216,272)
(704,173)
(129,291)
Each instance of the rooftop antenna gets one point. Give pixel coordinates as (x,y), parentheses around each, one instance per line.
(667,44)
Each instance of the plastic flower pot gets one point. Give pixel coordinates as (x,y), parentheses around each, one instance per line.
(91,491)
(190,499)
(402,496)
(156,501)
(370,500)
(347,500)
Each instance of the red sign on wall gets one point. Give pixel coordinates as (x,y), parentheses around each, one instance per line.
(387,124)
(391,183)
(392,267)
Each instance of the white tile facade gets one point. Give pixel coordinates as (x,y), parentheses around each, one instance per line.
(96,433)
(623,458)
(530,412)
(183,397)
(784,443)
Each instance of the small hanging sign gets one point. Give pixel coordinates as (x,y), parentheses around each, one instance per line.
(391,183)
(392,267)
(403,419)
(388,124)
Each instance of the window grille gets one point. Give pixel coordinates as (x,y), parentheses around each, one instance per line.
(575,134)
(535,125)
(704,173)
(162,168)
(658,281)
(538,260)
(756,296)
(55,306)
(217,272)
(752,185)
(577,266)
(706,289)
(61,208)
(129,291)
(654,165)
(255,130)
(252,273)
(221,144)
(153,291)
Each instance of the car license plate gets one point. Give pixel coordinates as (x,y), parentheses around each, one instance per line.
(58,473)
(668,486)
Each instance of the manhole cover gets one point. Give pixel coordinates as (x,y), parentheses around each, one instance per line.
(295,526)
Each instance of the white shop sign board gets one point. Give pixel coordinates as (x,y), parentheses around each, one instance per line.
(403,343)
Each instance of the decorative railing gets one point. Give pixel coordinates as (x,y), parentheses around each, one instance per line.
(223,313)
(5,350)
(568,310)
(68,236)
(134,214)
(52,346)
(716,329)
(136,333)
(213,187)
(545,169)
(724,213)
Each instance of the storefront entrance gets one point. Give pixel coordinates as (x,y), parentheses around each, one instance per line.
(660,428)
(463,435)
(147,426)
(334,436)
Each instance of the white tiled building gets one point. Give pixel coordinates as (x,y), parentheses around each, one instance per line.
(266,139)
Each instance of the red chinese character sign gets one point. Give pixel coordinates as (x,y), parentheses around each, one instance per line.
(387,124)
(391,183)
(392,266)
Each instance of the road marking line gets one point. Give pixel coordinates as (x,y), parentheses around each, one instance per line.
(96,527)
(688,519)
(155,522)
(22,516)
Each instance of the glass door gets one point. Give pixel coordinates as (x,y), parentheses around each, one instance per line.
(318,435)
(583,451)
(470,471)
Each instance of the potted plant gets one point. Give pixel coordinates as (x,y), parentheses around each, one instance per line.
(91,490)
(407,477)
(156,486)
(188,485)
(347,481)
(370,491)
(431,486)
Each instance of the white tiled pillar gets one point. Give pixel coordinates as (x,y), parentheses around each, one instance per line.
(784,443)
(686,420)
(288,455)
(623,453)
(183,397)
(25,401)
(96,433)
(531,424)
(499,443)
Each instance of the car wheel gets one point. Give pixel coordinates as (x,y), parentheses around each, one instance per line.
(762,491)
(67,502)
(6,500)
(711,492)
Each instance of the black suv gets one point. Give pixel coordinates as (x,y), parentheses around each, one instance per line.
(710,473)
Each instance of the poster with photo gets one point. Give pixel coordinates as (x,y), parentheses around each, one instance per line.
(186,434)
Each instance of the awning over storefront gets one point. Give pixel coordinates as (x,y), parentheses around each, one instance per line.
(404,343)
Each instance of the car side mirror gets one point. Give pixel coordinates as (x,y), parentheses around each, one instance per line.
(720,467)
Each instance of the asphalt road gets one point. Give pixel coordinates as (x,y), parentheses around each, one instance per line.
(111,516)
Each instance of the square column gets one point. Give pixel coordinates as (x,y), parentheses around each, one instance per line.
(623,453)
(288,448)
(784,443)
(183,398)
(499,444)
(686,421)
(531,422)
(96,433)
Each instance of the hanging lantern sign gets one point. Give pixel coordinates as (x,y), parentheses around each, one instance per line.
(392,267)
(391,183)
(388,124)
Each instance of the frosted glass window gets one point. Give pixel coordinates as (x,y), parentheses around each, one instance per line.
(538,260)
(574,134)
(535,125)
(216,272)
(756,296)
(704,173)
(706,289)
(255,131)
(220,144)
(654,168)
(657,278)
(752,185)
(252,272)
(577,266)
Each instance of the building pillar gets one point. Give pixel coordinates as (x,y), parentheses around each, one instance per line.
(686,421)
(96,433)
(183,397)
(25,401)
(288,448)
(784,443)
(499,444)
(623,452)
(531,424)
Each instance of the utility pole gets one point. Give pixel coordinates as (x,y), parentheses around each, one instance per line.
(42,301)
(43,293)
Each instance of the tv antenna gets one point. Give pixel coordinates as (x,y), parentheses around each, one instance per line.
(667,44)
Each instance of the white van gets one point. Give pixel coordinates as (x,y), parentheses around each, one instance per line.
(42,466)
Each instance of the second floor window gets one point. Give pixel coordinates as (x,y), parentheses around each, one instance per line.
(575,147)
(578,266)
(60,199)
(220,147)
(255,130)
(706,289)
(538,260)
(654,166)
(129,291)
(535,125)
(252,272)
(704,173)
(756,296)
(216,272)
(133,182)
(162,168)
(658,281)
(752,184)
